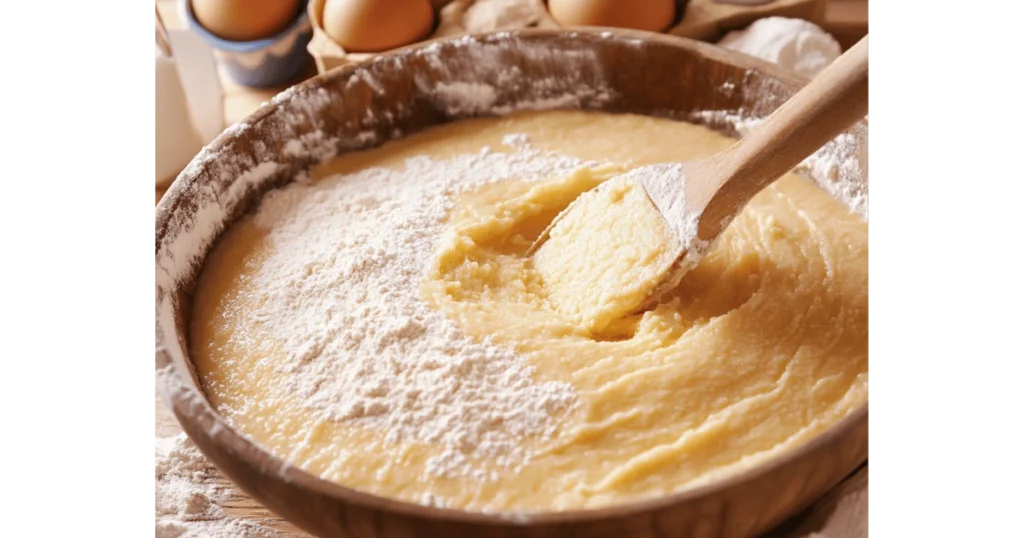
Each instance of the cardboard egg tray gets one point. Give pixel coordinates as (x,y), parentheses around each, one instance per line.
(705,20)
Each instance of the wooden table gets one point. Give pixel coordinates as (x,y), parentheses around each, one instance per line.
(842,513)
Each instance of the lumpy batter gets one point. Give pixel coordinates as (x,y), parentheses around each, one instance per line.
(761,347)
(604,257)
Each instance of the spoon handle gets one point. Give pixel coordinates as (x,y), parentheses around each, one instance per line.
(830,103)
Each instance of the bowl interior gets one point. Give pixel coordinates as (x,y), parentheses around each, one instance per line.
(364,105)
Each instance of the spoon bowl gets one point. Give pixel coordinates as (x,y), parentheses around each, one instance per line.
(697,200)
(643,73)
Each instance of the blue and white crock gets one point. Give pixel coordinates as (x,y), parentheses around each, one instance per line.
(260,63)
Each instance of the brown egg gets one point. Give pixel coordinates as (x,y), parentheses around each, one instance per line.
(652,15)
(245,20)
(377,25)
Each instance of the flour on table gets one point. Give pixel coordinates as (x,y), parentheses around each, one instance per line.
(346,252)
(339,289)
(190,496)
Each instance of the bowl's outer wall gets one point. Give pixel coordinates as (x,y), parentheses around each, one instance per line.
(648,74)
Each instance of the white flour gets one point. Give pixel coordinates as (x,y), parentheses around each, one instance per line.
(667,191)
(190,496)
(340,290)
(805,48)
(834,167)
(355,252)
(665,186)
(579,81)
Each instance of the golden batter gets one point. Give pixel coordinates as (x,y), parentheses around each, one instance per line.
(761,347)
(604,257)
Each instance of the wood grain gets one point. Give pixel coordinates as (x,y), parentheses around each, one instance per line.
(646,73)
(240,101)
(846,20)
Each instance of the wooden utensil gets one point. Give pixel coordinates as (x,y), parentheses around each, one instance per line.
(645,73)
(699,203)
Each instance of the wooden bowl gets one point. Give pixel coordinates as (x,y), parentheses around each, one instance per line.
(363,105)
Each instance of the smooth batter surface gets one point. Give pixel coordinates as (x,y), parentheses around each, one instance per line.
(761,347)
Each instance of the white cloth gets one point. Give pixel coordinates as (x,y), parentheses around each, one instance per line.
(794,44)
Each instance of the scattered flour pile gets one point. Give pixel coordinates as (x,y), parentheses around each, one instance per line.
(190,496)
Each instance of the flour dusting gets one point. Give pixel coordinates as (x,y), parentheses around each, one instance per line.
(667,191)
(466,97)
(665,186)
(338,289)
(576,79)
(191,496)
(345,250)
(501,397)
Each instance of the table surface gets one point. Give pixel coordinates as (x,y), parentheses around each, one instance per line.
(842,513)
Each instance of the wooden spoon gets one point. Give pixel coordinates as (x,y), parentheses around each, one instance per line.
(699,199)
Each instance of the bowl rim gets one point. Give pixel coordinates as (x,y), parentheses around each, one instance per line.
(300,19)
(186,393)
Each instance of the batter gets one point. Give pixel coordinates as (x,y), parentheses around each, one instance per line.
(760,348)
(603,258)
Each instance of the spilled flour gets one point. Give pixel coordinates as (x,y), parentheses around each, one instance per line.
(415,376)
(338,289)
(191,496)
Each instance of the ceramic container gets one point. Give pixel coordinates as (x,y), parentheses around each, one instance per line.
(260,63)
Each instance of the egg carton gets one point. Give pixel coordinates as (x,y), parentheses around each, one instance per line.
(704,20)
